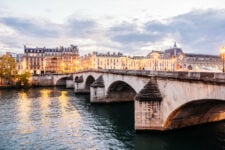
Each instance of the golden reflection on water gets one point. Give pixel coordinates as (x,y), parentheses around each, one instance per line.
(45,93)
(24,112)
(51,109)
(70,116)
(58,107)
(63,101)
(44,102)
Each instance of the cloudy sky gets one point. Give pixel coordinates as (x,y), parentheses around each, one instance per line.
(133,27)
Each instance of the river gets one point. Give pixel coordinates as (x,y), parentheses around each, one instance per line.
(56,118)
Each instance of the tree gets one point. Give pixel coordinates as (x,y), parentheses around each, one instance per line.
(23,80)
(7,68)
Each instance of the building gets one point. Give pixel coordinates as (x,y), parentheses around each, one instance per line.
(103,61)
(176,60)
(67,60)
(49,60)
(172,59)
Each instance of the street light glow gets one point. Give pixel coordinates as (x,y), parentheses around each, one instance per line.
(222,51)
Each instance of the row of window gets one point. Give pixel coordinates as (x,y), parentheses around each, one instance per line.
(49,50)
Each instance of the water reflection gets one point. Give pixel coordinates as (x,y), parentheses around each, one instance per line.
(71,117)
(63,102)
(54,118)
(207,137)
(23,114)
(43,103)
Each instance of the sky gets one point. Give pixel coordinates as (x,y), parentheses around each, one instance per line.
(133,27)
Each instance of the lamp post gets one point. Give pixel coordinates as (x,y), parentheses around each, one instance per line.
(222,50)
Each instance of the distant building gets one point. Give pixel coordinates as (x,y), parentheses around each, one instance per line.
(67,60)
(50,60)
(104,61)
(172,59)
(175,59)
(101,61)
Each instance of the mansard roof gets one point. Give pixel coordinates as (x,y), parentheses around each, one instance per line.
(173,51)
(109,54)
(72,48)
(201,55)
(155,51)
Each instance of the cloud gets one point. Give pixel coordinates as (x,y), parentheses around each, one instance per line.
(80,28)
(207,28)
(123,27)
(30,27)
(17,31)
(131,36)
(200,31)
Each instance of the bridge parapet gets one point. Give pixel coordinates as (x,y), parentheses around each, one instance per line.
(199,76)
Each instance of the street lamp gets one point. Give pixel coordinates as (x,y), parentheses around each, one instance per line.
(222,51)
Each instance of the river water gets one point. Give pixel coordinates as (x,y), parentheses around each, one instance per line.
(56,118)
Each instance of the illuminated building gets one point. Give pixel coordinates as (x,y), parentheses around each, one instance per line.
(50,60)
(67,60)
(172,59)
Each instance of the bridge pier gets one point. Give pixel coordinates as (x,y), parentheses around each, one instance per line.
(79,89)
(79,86)
(97,91)
(148,108)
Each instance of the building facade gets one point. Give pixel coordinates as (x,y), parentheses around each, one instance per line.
(67,60)
(172,59)
(49,60)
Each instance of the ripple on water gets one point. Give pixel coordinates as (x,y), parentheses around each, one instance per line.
(54,118)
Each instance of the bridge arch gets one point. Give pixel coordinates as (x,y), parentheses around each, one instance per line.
(120,90)
(61,81)
(89,80)
(196,112)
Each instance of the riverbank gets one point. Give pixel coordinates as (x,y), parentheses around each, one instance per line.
(8,87)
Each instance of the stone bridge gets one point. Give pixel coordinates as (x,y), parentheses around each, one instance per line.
(163,100)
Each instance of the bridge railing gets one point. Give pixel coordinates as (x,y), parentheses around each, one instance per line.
(55,74)
(201,76)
